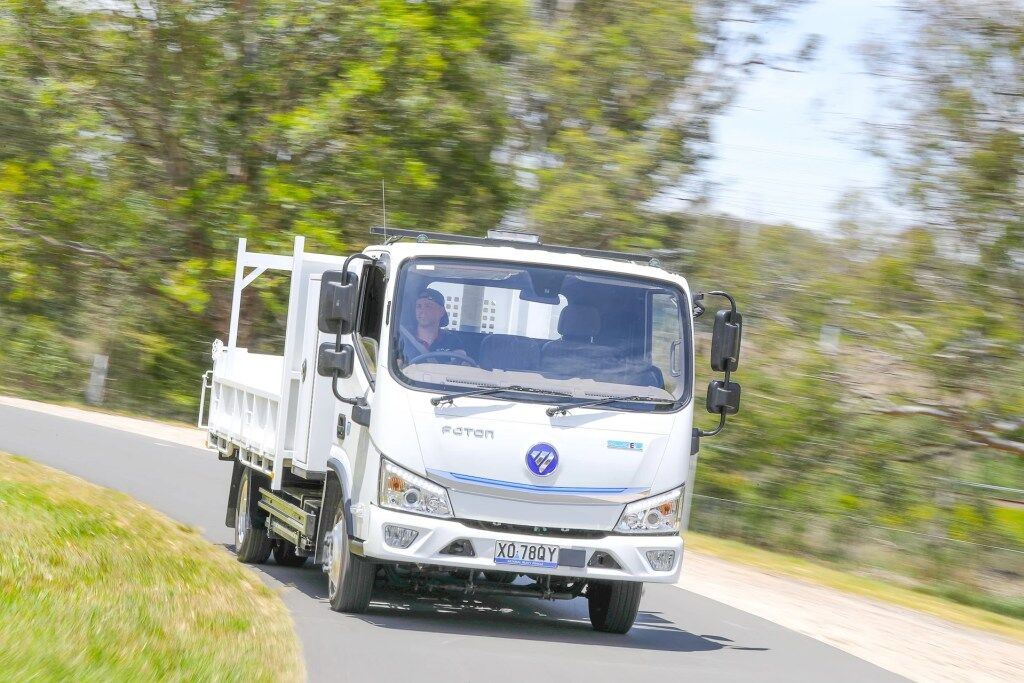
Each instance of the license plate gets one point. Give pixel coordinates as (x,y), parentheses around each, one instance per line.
(526,554)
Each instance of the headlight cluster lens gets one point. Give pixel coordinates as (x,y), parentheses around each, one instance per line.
(400,489)
(656,515)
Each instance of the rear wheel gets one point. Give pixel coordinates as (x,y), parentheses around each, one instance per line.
(284,554)
(613,605)
(500,577)
(252,545)
(350,578)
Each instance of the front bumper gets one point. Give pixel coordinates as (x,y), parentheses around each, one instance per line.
(435,535)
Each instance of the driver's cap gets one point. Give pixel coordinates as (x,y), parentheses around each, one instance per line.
(433,295)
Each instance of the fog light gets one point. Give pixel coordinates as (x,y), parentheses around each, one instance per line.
(399,536)
(661,560)
(603,560)
(460,547)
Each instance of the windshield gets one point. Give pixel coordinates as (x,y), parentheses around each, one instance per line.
(550,332)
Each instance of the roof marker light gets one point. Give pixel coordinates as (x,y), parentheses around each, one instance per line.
(509,236)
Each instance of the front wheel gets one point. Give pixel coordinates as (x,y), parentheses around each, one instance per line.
(350,578)
(613,605)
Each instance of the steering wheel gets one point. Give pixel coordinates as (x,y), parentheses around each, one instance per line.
(464,360)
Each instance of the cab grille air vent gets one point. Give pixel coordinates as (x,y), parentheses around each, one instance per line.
(535,530)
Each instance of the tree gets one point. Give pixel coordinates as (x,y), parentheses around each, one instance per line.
(144,139)
(612,103)
(959,156)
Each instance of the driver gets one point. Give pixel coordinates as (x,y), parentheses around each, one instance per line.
(430,337)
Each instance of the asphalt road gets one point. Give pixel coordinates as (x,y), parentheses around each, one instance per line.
(678,635)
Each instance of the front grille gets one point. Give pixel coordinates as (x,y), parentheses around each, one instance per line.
(534,530)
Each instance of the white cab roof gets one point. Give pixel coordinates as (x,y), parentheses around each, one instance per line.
(399,251)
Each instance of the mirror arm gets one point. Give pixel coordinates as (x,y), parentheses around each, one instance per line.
(337,394)
(721,420)
(697,307)
(337,337)
(716,430)
(359,308)
(732,301)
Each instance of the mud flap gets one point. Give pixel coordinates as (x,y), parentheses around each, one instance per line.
(236,478)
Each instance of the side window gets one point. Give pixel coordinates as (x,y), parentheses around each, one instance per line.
(367,336)
(666,335)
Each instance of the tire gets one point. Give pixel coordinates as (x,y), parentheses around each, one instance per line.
(500,577)
(285,555)
(350,578)
(613,605)
(252,545)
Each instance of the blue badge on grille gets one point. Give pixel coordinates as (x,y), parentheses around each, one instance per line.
(542,459)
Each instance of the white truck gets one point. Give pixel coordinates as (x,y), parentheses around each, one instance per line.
(475,415)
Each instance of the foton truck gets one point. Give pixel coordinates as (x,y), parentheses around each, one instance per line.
(475,415)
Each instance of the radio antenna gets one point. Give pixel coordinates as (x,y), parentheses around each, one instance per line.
(384,209)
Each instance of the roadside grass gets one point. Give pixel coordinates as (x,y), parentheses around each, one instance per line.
(812,572)
(94,586)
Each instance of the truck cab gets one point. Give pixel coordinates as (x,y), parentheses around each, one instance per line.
(471,415)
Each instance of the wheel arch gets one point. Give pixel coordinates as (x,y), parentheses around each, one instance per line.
(338,475)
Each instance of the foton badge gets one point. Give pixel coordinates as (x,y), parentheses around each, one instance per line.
(542,459)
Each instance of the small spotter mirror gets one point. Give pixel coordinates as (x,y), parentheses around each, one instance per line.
(723,397)
(335,363)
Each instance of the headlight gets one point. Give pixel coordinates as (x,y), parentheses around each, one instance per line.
(656,515)
(402,490)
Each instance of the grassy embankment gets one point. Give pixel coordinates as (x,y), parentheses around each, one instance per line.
(813,572)
(95,586)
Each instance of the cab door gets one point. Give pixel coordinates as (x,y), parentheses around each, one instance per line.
(316,410)
(347,436)
(324,421)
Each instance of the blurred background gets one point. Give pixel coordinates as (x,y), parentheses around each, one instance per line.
(850,169)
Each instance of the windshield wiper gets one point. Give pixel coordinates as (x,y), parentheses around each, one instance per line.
(450,398)
(566,407)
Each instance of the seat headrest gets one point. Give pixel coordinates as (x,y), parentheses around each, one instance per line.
(579,322)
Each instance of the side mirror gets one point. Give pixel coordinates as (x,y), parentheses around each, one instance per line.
(331,363)
(723,395)
(339,302)
(725,341)
(723,398)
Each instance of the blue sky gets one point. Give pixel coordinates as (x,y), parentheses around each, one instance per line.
(792,143)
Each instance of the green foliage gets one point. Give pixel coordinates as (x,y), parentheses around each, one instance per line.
(818,461)
(36,356)
(145,142)
(605,129)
